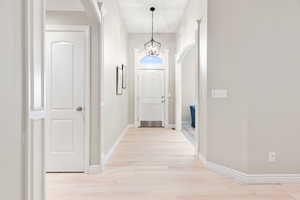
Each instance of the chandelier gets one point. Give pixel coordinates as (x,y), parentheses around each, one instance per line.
(152,47)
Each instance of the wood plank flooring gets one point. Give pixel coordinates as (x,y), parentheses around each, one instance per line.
(158,164)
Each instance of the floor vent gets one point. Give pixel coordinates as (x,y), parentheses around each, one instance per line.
(151,124)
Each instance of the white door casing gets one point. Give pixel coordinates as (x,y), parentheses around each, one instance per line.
(151,95)
(67,98)
(34,78)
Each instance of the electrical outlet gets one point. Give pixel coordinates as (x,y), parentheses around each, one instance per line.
(272,157)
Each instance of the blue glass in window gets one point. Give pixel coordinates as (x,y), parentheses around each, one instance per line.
(151,60)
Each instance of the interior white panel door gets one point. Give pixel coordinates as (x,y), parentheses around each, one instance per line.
(152,96)
(65,58)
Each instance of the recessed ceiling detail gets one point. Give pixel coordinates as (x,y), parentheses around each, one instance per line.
(138,19)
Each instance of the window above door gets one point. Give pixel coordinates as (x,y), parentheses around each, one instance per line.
(141,60)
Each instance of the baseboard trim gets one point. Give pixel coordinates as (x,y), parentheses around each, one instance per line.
(95,169)
(131,126)
(226,171)
(245,178)
(171,126)
(188,137)
(107,157)
(273,179)
(202,159)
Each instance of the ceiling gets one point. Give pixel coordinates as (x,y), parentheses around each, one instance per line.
(136,13)
(137,16)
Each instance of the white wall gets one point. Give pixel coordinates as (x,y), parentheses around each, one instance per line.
(115,53)
(188,84)
(137,41)
(11,87)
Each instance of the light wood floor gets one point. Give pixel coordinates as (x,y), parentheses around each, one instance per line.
(158,164)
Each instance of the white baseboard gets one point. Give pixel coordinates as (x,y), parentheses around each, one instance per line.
(273,179)
(131,126)
(171,126)
(220,169)
(202,159)
(113,148)
(95,169)
(187,136)
(245,178)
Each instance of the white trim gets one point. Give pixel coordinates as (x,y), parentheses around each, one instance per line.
(69,28)
(87,86)
(95,169)
(34,20)
(95,10)
(187,135)
(202,159)
(273,179)
(170,126)
(87,110)
(33,162)
(245,178)
(165,67)
(108,155)
(226,171)
(131,126)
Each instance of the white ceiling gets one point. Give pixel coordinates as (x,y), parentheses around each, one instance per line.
(137,16)
(136,13)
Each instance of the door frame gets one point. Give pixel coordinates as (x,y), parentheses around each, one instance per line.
(87,86)
(165,67)
(34,184)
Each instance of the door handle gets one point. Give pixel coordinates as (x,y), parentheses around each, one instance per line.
(79,109)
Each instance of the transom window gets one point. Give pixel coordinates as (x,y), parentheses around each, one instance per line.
(151,60)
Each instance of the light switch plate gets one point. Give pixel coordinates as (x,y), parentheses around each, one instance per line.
(219,93)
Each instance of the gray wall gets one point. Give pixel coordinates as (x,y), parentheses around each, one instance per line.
(188,81)
(137,41)
(253,51)
(11,87)
(115,53)
(253,48)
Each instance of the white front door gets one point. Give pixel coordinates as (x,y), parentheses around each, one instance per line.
(152,96)
(66,56)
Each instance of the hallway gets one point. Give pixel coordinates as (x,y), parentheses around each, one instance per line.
(158,164)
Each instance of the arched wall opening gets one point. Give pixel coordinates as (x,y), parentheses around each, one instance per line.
(198,48)
(188,94)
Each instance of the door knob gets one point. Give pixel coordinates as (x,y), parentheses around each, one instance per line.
(79,109)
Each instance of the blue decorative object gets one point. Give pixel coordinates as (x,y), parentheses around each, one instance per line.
(193,110)
(151,60)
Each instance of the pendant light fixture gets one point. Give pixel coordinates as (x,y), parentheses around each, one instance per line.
(152,47)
